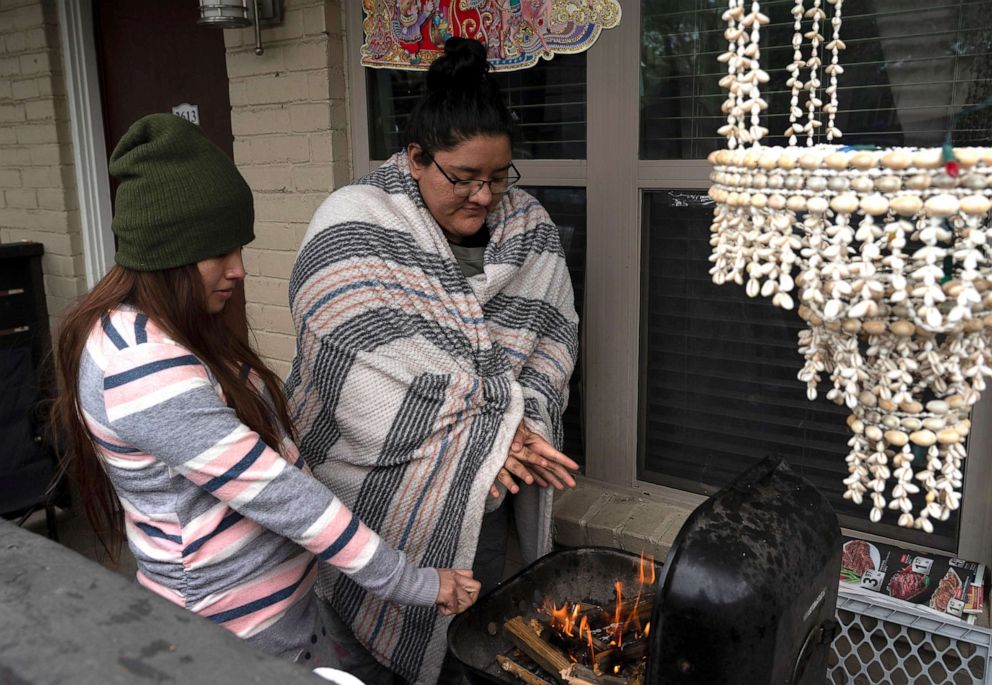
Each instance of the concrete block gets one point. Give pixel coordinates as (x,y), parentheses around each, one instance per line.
(6,90)
(12,113)
(14,156)
(315,21)
(309,55)
(245,62)
(40,109)
(279,367)
(37,133)
(276,264)
(10,178)
(291,28)
(8,136)
(274,236)
(270,318)
(63,286)
(24,89)
(282,87)
(15,42)
(232,38)
(269,177)
(50,153)
(36,63)
(649,528)
(313,177)
(287,208)
(37,177)
(267,290)
(57,199)
(10,66)
(573,510)
(41,37)
(606,527)
(21,198)
(247,121)
(25,17)
(277,346)
(270,149)
(317,85)
(306,117)
(321,147)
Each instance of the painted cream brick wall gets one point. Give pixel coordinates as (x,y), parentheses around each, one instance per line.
(38,198)
(290,142)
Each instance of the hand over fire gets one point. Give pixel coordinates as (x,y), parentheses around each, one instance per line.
(458,590)
(533,460)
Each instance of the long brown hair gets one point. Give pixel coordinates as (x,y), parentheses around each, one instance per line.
(175,300)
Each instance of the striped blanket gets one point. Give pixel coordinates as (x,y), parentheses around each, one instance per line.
(410,380)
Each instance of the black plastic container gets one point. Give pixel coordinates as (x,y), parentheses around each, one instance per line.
(749,589)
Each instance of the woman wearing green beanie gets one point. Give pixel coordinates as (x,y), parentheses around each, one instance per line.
(179,436)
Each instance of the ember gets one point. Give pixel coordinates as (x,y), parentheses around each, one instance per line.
(584,642)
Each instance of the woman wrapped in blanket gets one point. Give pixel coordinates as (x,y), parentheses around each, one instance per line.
(180,436)
(436,334)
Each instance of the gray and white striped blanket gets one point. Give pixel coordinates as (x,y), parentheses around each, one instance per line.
(410,381)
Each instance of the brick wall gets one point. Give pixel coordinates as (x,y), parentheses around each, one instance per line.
(38,198)
(290,142)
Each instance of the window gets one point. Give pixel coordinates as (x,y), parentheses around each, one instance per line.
(719,390)
(683,384)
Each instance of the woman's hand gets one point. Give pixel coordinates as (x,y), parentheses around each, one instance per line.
(533,460)
(458,590)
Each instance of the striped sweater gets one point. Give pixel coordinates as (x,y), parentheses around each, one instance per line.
(219,522)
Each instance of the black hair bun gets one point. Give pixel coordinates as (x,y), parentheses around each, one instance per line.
(463,66)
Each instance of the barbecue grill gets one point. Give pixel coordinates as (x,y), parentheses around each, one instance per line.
(746,595)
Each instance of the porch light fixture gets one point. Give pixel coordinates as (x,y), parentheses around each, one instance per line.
(886,253)
(237,14)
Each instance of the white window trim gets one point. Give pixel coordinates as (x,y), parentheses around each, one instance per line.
(89,147)
(615,179)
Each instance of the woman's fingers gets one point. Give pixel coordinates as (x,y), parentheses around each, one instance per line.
(542,447)
(519,438)
(515,466)
(506,479)
(549,478)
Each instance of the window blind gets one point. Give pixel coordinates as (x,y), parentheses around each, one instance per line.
(719,390)
(908,67)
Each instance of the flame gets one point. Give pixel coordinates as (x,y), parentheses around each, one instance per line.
(641,575)
(618,635)
(578,621)
(584,625)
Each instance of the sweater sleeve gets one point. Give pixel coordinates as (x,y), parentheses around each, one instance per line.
(159,398)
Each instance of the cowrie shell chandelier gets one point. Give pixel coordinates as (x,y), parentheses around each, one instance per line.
(884,253)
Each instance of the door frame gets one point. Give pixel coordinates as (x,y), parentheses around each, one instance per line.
(82,84)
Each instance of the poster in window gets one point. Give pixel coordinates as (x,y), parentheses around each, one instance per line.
(410,34)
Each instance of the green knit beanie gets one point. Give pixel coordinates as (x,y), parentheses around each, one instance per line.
(180,199)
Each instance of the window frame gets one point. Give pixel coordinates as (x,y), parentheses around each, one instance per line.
(615,178)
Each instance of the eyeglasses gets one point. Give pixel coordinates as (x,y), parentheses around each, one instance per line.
(469,187)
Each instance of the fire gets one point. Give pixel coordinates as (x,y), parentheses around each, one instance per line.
(596,636)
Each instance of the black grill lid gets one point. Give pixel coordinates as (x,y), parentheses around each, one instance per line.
(748,592)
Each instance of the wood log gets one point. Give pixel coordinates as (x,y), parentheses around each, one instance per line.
(527,641)
(515,669)
(577,674)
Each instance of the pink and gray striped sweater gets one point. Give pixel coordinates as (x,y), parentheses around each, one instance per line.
(219,522)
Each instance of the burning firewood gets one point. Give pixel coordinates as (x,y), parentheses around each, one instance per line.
(527,641)
(577,674)
(515,669)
